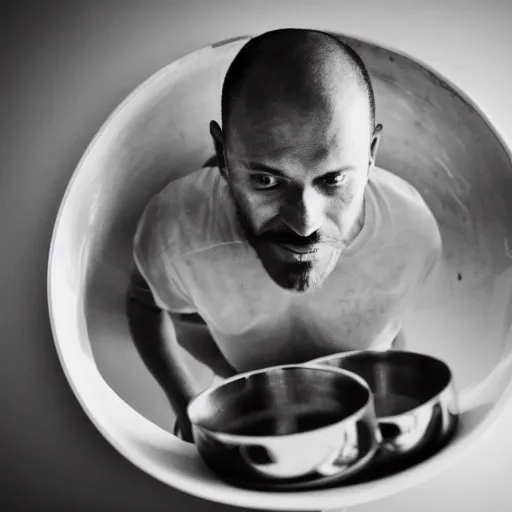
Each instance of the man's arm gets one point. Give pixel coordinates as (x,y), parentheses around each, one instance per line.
(399,343)
(193,335)
(424,291)
(154,337)
(159,337)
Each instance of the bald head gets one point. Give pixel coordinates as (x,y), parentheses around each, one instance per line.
(296,149)
(293,74)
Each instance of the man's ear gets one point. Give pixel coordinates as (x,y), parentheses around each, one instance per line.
(218,144)
(374,147)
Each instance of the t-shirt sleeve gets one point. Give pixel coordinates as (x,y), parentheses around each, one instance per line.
(426,295)
(158,282)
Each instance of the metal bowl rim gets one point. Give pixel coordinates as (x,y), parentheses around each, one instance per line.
(368,406)
(449,387)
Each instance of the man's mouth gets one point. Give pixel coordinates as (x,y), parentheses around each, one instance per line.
(298,249)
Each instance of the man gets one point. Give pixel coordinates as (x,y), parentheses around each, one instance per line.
(295,246)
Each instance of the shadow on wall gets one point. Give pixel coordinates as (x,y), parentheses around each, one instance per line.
(433,138)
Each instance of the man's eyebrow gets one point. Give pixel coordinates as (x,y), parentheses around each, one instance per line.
(256,166)
(345,168)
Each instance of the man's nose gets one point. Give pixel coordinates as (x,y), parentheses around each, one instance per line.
(304,212)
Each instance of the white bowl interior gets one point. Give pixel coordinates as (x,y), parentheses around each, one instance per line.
(435,137)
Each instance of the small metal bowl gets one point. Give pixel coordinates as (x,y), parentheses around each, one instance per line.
(286,427)
(415,403)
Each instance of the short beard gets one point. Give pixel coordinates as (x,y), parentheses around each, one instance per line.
(296,276)
(299,276)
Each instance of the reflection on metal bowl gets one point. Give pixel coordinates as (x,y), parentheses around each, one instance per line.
(415,403)
(286,427)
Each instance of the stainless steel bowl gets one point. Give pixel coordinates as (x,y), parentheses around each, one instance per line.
(286,427)
(415,403)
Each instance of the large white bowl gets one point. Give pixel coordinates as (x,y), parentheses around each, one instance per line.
(435,137)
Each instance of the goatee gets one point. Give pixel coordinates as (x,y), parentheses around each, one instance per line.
(299,276)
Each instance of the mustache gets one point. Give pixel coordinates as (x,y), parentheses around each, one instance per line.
(287,237)
(292,238)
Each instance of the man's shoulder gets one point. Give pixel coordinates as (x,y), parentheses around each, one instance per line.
(403,193)
(185,198)
(405,208)
(187,215)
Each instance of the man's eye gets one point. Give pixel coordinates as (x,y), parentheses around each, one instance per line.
(263,181)
(334,180)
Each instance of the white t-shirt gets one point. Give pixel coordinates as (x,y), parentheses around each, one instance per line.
(189,248)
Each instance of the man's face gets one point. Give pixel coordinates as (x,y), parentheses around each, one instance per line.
(298,182)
